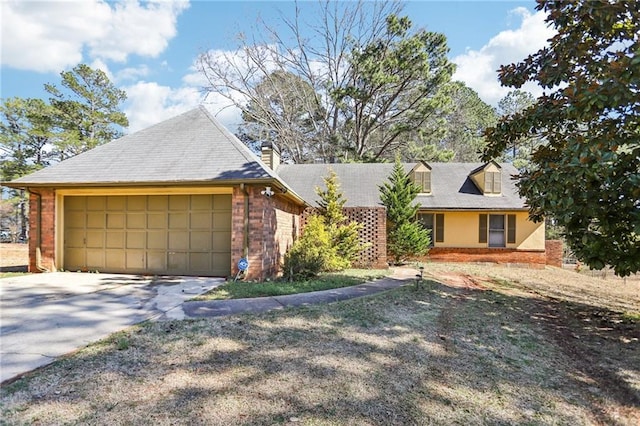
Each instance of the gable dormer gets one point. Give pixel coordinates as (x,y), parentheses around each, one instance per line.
(421,176)
(488,178)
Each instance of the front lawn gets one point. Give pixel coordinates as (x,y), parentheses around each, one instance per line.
(475,345)
(326,281)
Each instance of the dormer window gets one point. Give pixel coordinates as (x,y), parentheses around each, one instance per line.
(421,176)
(488,178)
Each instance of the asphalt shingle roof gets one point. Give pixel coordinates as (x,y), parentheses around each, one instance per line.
(450,184)
(192,147)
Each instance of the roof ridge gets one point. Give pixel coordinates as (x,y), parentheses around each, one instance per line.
(237,143)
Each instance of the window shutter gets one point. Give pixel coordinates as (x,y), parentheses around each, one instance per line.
(440,228)
(426,183)
(511,229)
(482,237)
(497,183)
(488,182)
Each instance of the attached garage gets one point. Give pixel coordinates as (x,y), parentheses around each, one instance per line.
(159,234)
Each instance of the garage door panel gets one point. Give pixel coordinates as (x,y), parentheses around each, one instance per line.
(115,221)
(174,234)
(201,202)
(114,240)
(74,258)
(200,220)
(76,220)
(136,203)
(96,204)
(115,203)
(135,259)
(178,220)
(179,202)
(157,260)
(200,241)
(136,221)
(95,259)
(221,220)
(158,203)
(177,262)
(200,261)
(221,202)
(220,263)
(179,240)
(221,241)
(95,220)
(95,239)
(74,238)
(156,220)
(157,240)
(115,260)
(136,240)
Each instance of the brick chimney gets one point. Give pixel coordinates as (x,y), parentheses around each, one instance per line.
(270,155)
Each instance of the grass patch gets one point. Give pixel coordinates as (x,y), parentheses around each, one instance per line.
(326,281)
(445,354)
(12,274)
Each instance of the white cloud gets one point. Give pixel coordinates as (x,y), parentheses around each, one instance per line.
(52,35)
(478,69)
(138,29)
(131,73)
(149,103)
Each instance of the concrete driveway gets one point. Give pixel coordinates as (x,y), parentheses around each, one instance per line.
(44,316)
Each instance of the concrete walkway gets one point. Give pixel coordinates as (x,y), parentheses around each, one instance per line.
(215,308)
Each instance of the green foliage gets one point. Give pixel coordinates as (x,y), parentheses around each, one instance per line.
(393,87)
(405,236)
(453,132)
(87,114)
(344,235)
(409,239)
(311,254)
(587,176)
(324,281)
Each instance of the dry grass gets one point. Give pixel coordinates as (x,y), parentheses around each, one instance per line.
(14,257)
(484,345)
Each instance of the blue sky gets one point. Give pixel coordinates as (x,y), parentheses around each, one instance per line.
(149,48)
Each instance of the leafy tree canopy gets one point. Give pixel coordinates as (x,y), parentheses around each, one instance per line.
(87,113)
(351,86)
(587,174)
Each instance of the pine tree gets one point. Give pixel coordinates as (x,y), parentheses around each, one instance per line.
(344,235)
(405,236)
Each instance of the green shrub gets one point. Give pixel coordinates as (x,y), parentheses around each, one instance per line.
(311,254)
(408,240)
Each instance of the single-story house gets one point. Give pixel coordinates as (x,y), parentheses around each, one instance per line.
(186,197)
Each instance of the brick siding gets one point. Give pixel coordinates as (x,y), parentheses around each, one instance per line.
(274,224)
(490,255)
(45,235)
(554,249)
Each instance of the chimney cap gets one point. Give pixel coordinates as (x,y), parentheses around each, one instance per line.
(269,145)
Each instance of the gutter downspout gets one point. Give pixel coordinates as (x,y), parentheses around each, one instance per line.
(245,231)
(39,266)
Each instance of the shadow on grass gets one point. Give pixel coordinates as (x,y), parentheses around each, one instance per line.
(440,355)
